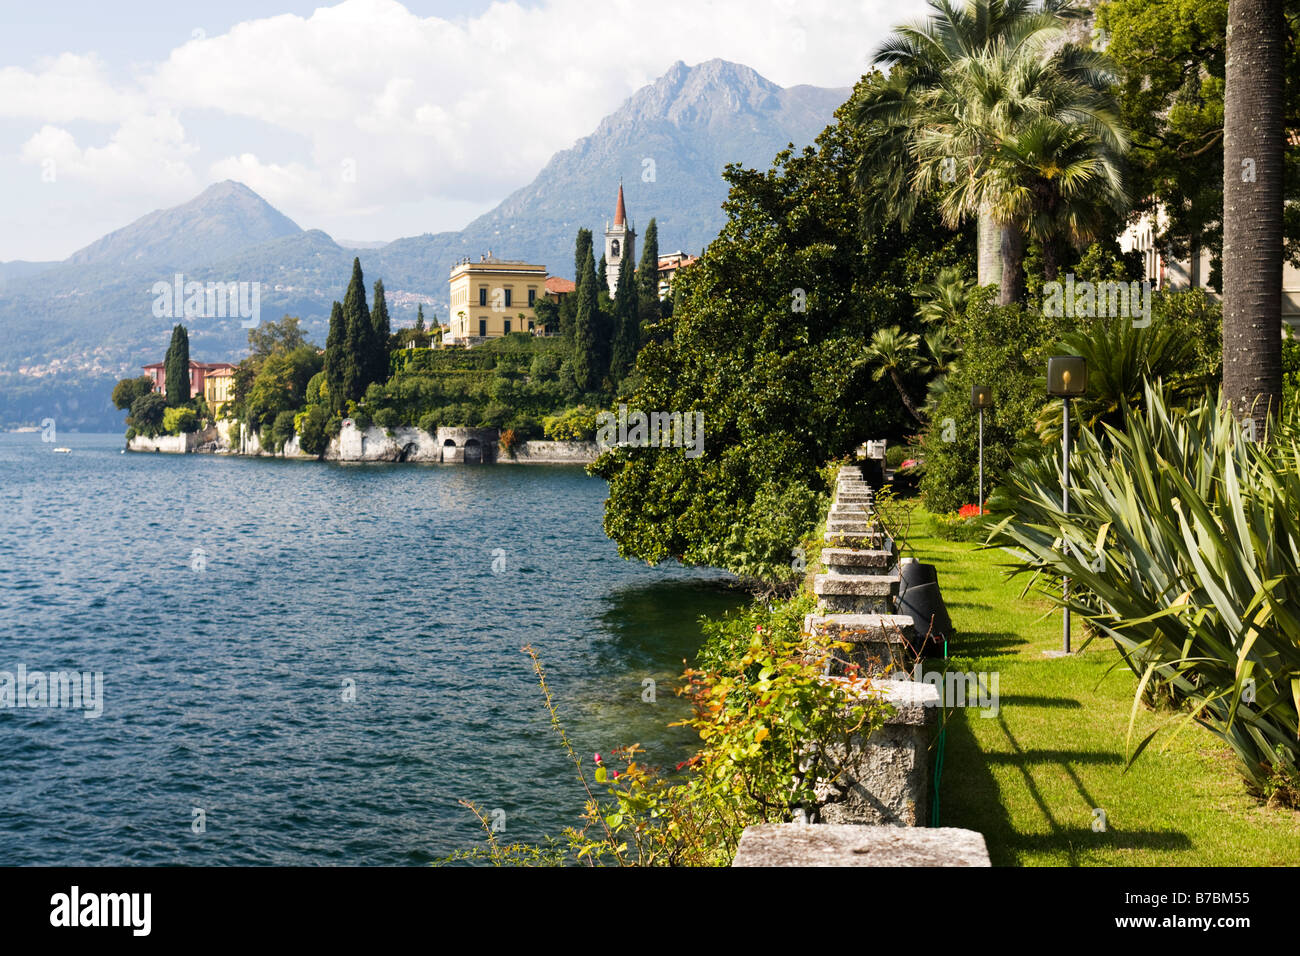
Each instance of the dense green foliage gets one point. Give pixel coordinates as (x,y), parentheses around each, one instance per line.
(1171,58)
(768,340)
(128,390)
(1007,347)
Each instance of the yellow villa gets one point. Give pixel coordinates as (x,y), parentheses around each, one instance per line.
(494,297)
(219,389)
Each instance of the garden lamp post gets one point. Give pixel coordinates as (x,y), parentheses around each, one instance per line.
(981,397)
(1067,377)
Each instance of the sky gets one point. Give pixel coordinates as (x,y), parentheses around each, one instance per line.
(370,119)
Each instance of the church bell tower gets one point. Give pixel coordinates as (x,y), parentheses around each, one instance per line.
(620,244)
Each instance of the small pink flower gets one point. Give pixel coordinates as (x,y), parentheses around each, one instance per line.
(597,758)
(615,774)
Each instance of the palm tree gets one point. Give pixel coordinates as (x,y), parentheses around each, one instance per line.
(1040,151)
(893,353)
(979,97)
(940,302)
(1252,210)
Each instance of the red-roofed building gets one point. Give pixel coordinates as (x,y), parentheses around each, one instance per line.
(557,288)
(199,372)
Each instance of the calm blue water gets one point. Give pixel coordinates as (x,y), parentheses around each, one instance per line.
(223,688)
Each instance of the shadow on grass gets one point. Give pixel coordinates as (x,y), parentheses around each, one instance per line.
(977,644)
(970,797)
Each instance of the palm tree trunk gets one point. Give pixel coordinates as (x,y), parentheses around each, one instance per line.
(989,262)
(1012,287)
(907,399)
(1252,211)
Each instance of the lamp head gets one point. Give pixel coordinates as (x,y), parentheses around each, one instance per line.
(981,396)
(1067,376)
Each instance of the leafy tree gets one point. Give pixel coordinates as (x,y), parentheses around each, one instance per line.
(281,384)
(647,277)
(147,413)
(281,430)
(1171,55)
(128,390)
(283,336)
(312,427)
(768,341)
(176,368)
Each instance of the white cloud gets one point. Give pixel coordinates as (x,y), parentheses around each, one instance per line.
(147,153)
(425,111)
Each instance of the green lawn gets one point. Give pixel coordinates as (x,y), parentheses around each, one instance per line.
(1030,778)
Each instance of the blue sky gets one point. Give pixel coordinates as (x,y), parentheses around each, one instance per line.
(370,119)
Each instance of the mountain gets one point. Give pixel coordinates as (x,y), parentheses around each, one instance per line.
(220,221)
(89,319)
(668,143)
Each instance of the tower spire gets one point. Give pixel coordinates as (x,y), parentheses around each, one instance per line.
(620,212)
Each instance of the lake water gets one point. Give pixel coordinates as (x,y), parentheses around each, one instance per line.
(231,604)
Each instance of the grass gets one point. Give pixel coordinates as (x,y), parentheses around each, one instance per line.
(1030,778)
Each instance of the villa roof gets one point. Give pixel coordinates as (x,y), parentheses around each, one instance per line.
(557,286)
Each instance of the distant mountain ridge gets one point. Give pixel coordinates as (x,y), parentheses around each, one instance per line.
(89,317)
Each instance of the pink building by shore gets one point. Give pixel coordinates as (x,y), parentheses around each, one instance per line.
(199,372)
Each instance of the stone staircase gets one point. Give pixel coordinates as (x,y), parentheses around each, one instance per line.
(876,813)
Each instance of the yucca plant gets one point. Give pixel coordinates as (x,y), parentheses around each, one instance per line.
(1182,544)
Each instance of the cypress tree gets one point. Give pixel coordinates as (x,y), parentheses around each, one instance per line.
(358,338)
(589,357)
(379,341)
(176,368)
(602,274)
(647,277)
(419,318)
(336,359)
(626,326)
(581,250)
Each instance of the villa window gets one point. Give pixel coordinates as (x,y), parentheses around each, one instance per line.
(532,297)
(482,295)
(482,328)
(508,296)
(507,323)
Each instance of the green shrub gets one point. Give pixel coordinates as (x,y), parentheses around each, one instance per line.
(147,413)
(179,420)
(312,428)
(429,423)
(573,424)
(281,430)
(1183,546)
(953,527)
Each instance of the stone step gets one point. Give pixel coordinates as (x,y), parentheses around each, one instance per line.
(880,558)
(856,585)
(879,644)
(862,525)
(829,844)
(856,593)
(855,539)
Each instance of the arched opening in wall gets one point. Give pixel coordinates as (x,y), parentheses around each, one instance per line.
(449,450)
(473,452)
(406,452)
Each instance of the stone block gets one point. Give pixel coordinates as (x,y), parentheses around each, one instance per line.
(797,844)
